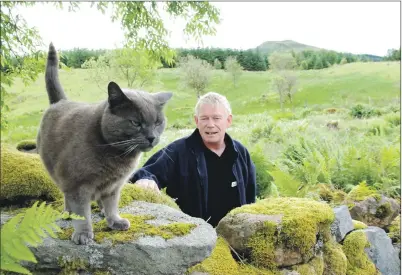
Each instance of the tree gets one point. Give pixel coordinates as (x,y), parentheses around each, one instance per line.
(233,68)
(285,84)
(217,64)
(393,55)
(136,66)
(99,70)
(18,39)
(284,81)
(195,73)
(282,61)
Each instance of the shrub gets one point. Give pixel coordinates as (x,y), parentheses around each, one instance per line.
(263,178)
(364,111)
(261,132)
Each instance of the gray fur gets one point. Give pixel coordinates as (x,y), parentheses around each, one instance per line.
(90,150)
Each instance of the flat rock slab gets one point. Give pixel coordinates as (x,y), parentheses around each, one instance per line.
(143,256)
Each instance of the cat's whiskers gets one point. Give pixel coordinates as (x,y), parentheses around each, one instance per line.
(123,142)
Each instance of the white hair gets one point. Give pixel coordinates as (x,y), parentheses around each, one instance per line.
(213,98)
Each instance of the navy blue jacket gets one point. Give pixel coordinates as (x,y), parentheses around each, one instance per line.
(182,169)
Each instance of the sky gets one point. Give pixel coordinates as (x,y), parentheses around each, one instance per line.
(355,27)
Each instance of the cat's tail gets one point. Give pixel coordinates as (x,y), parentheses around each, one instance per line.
(53,87)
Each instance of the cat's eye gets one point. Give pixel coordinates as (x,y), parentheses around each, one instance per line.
(158,122)
(135,123)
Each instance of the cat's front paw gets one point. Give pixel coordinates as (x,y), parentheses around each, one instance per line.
(82,237)
(120,224)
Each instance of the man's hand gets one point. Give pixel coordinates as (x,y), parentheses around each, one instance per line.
(151,184)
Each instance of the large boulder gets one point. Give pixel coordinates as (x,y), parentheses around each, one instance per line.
(358,262)
(278,232)
(370,251)
(376,211)
(381,252)
(342,224)
(370,207)
(160,241)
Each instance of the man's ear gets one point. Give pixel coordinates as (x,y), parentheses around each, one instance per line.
(230,120)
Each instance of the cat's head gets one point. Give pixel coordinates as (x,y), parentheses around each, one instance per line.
(133,120)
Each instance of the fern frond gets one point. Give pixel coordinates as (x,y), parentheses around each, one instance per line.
(27,228)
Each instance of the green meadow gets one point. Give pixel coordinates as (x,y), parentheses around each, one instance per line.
(342,128)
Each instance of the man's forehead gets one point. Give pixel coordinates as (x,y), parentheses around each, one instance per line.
(208,107)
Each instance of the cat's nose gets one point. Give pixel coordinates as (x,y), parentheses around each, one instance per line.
(151,139)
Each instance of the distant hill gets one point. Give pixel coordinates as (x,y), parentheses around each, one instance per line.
(269,47)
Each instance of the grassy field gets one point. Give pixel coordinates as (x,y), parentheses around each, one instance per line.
(282,137)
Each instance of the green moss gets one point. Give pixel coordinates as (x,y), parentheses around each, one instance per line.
(132,192)
(101,272)
(261,245)
(325,192)
(221,262)
(138,228)
(302,220)
(362,191)
(313,267)
(383,211)
(339,197)
(26,145)
(358,262)
(71,266)
(395,230)
(335,261)
(359,225)
(25,179)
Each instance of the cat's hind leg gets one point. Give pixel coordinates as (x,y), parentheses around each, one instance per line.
(80,204)
(110,203)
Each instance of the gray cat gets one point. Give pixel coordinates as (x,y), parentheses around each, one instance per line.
(90,150)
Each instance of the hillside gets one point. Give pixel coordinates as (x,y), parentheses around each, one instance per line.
(338,86)
(269,47)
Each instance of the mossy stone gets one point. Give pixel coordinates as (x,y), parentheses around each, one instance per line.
(359,225)
(303,219)
(25,179)
(132,192)
(361,192)
(139,227)
(222,262)
(395,230)
(358,261)
(335,261)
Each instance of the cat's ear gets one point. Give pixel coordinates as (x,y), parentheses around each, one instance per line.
(116,95)
(162,98)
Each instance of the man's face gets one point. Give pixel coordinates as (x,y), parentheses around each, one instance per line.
(212,122)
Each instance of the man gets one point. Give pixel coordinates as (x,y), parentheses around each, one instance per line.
(208,172)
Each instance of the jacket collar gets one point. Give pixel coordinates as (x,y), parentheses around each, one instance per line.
(195,141)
